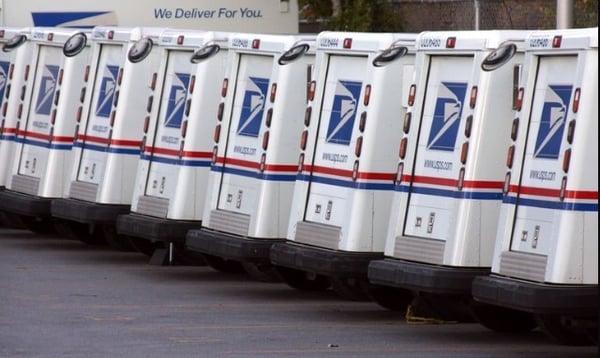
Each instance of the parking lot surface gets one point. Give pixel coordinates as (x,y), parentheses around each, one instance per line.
(63,298)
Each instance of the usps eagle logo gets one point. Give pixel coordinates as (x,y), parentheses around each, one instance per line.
(3,77)
(253,106)
(552,123)
(177,97)
(446,116)
(107,91)
(343,112)
(47,88)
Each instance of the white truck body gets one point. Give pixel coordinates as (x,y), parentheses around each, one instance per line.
(46,120)
(266,16)
(11,62)
(342,195)
(449,186)
(172,173)
(548,227)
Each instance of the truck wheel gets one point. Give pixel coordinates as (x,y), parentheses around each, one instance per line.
(38,225)
(304,281)
(263,272)
(140,245)
(391,298)
(562,330)
(78,231)
(223,265)
(350,289)
(114,240)
(501,319)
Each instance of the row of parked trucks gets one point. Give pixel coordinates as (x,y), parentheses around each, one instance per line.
(457,171)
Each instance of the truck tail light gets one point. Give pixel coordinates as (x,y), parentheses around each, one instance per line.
(265,140)
(50,36)
(367,95)
(113,115)
(307,115)
(571,132)
(78,115)
(355,170)
(184,127)
(215,154)
(86,73)
(407,120)
(217,133)
(220,111)
(358,146)
(61,73)
(180,39)
(120,77)
(461,179)
(312,87)
(519,99)
(403,145)
(303,139)
(557,41)
(269,118)
(273,92)
(143,145)
(473,98)
(348,43)
(363,122)
(563,188)
(515,129)
(192,84)
(11,71)
(255,43)
(300,163)
(576,98)
(566,160)
(224,87)
(4,109)
(26,74)
(399,174)
(451,42)
(464,152)
(263,162)
(468,126)
(53,117)
(111,34)
(506,186)
(510,156)
(20,110)
(153,81)
(146,124)
(412,93)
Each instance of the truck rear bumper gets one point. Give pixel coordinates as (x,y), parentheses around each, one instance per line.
(539,298)
(155,229)
(24,204)
(228,246)
(86,212)
(322,261)
(424,277)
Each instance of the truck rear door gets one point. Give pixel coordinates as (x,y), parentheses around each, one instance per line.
(437,162)
(334,156)
(238,192)
(542,173)
(38,128)
(164,163)
(97,132)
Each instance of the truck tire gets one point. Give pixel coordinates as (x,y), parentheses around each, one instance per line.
(223,265)
(262,272)
(350,289)
(114,240)
(142,246)
(303,281)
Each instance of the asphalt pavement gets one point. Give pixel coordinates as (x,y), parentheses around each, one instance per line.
(63,298)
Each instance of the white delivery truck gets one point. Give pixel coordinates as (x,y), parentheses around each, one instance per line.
(545,260)
(53,78)
(266,16)
(170,184)
(15,49)
(254,166)
(451,167)
(110,121)
(347,163)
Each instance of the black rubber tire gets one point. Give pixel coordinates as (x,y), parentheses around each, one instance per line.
(558,328)
(303,281)
(351,289)
(78,231)
(114,240)
(223,265)
(140,245)
(391,298)
(504,320)
(262,272)
(38,225)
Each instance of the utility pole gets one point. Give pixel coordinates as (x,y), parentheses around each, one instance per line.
(564,14)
